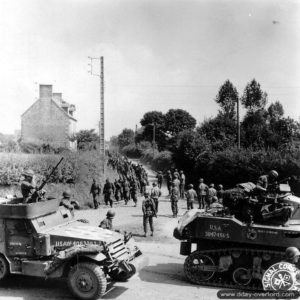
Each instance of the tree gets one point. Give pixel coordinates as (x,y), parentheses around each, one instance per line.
(149,120)
(177,120)
(126,137)
(227,99)
(86,139)
(253,97)
(276,111)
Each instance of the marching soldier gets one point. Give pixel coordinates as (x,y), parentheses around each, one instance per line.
(134,190)
(149,212)
(95,191)
(108,191)
(174,199)
(159,179)
(155,194)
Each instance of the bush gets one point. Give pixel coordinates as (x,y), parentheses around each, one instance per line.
(132,151)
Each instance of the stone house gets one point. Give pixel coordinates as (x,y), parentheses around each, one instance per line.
(49,121)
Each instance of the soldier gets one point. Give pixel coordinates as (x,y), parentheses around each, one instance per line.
(155,194)
(176,181)
(126,190)
(95,191)
(292,255)
(149,212)
(191,195)
(220,193)
(175,174)
(159,177)
(134,190)
(264,180)
(67,202)
(212,192)
(107,222)
(118,189)
(169,181)
(27,186)
(182,184)
(215,205)
(202,193)
(174,199)
(108,191)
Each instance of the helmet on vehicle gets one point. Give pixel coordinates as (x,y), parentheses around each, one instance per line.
(273,173)
(67,194)
(110,214)
(291,253)
(28,173)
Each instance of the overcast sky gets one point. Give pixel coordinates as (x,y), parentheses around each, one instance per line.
(157,54)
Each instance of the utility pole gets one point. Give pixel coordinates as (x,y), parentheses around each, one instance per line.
(101,122)
(153,140)
(238,124)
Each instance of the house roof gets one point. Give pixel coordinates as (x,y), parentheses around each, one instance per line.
(52,101)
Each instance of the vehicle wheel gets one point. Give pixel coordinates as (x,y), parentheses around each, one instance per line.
(123,276)
(193,267)
(241,276)
(87,281)
(4,268)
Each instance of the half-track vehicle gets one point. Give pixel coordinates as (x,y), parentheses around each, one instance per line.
(234,245)
(43,239)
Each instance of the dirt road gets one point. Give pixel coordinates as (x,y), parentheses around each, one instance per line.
(161,278)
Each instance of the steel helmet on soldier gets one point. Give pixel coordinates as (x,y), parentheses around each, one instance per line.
(190,186)
(28,173)
(146,194)
(110,214)
(291,253)
(273,174)
(67,194)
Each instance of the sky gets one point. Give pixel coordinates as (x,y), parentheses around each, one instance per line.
(158,55)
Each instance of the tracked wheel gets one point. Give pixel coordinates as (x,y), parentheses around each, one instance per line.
(199,268)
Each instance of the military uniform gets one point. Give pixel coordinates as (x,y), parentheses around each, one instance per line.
(159,179)
(175,194)
(106,224)
(191,195)
(95,191)
(202,194)
(149,212)
(108,190)
(155,194)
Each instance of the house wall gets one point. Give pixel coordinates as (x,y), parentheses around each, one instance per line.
(45,123)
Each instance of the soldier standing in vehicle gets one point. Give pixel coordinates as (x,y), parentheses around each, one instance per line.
(191,195)
(155,194)
(264,181)
(108,191)
(149,212)
(27,185)
(95,191)
(67,202)
(107,222)
(174,197)
(212,192)
(202,193)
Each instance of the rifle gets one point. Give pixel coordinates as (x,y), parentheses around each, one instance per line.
(36,194)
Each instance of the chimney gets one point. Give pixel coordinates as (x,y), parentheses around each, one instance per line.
(45,92)
(57,97)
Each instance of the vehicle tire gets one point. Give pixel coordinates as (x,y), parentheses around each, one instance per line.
(193,264)
(87,281)
(4,268)
(123,276)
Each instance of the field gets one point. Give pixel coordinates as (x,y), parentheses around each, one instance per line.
(78,168)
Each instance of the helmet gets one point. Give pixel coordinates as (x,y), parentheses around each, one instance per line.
(273,174)
(67,194)
(28,173)
(211,185)
(201,180)
(220,186)
(110,214)
(181,172)
(191,186)
(146,194)
(215,198)
(154,183)
(169,171)
(291,253)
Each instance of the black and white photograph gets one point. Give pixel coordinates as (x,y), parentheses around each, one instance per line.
(149,149)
